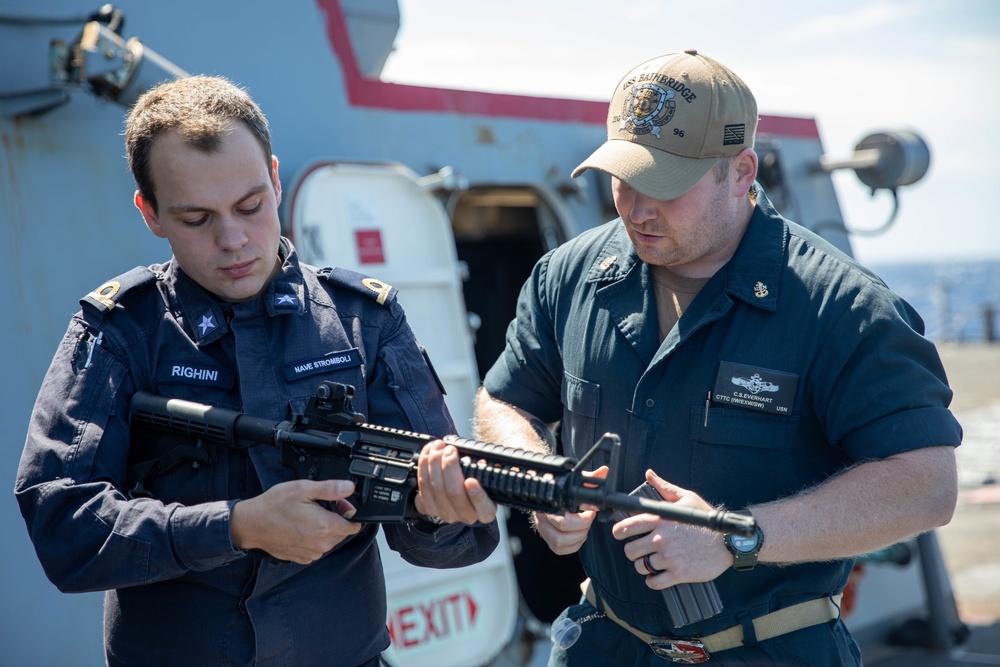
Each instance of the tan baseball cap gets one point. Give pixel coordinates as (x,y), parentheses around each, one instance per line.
(670,120)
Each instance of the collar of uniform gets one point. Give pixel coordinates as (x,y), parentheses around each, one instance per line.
(623,286)
(287,293)
(752,275)
(203,315)
(754,272)
(616,258)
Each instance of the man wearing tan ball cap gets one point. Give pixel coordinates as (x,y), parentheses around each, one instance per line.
(746,364)
(669,119)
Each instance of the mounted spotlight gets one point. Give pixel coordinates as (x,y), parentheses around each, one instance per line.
(98,60)
(113,68)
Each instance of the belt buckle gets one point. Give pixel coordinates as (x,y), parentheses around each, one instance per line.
(683,651)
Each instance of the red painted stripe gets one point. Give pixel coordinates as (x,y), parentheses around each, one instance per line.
(788,126)
(373,93)
(378,94)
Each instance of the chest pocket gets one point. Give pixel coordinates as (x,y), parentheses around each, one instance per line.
(742,428)
(757,446)
(581,405)
(345,367)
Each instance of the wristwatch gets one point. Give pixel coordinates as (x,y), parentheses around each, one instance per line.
(743,548)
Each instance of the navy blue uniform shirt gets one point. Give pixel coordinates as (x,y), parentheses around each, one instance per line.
(808,362)
(178,592)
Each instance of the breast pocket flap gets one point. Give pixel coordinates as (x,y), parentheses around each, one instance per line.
(580,396)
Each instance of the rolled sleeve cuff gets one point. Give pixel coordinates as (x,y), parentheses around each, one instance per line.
(505,384)
(905,431)
(201,535)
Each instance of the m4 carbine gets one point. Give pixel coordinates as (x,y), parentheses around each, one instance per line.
(332,441)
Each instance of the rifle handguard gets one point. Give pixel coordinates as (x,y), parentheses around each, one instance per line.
(332,441)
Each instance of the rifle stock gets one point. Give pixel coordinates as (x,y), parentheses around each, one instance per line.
(332,441)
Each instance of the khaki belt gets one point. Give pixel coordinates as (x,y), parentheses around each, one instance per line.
(697,649)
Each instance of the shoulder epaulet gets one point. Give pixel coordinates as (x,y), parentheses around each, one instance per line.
(382,292)
(107,295)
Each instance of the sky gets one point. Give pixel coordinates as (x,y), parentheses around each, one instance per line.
(856,66)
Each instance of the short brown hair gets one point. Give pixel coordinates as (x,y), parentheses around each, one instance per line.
(721,170)
(200,108)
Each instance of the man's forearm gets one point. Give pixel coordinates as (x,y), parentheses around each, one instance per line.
(869,506)
(495,421)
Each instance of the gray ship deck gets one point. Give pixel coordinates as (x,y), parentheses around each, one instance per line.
(981,648)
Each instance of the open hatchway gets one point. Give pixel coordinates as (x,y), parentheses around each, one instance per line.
(500,233)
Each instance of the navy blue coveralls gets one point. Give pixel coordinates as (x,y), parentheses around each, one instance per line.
(849,377)
(178,592)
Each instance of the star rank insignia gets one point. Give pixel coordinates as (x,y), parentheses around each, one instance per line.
(207,324)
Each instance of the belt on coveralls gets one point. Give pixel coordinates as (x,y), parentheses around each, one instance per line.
(693,650)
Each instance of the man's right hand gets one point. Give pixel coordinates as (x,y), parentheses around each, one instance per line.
(566,533)
(288,522)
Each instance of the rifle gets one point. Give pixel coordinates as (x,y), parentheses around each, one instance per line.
(330,440)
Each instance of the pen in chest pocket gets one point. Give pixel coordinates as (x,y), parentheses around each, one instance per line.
(95,343)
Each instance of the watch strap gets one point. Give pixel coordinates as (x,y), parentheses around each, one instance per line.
(744,561)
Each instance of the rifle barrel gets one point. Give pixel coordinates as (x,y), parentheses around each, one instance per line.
(720,520)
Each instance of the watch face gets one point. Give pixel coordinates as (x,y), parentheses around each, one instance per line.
(743,544)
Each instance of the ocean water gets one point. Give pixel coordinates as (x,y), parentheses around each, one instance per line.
(958,300)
